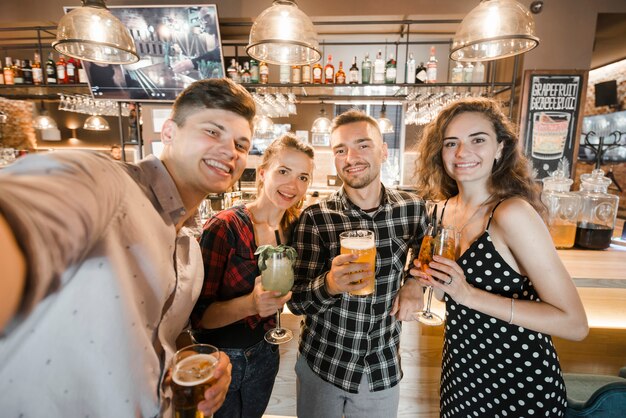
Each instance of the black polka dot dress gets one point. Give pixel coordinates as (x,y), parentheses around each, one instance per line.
(491,368)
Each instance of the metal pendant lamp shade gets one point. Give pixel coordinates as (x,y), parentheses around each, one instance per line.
(284,34)
(96,123)
(321,125)
(92,33)
(492,30)
(263,125)
(384,124)
(42,122)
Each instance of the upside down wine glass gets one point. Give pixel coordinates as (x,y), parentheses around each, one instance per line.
(443,243)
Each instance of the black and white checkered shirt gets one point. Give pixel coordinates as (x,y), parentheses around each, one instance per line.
(344,336)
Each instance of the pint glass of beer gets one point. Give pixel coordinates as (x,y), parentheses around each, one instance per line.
(192,370)
(362,243)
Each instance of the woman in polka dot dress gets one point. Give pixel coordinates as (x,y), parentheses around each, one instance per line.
(508,292)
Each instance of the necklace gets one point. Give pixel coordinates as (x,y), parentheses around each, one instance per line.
(460,230)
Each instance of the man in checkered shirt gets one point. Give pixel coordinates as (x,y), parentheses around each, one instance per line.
(349,364)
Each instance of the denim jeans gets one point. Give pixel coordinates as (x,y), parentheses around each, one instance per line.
(253,374)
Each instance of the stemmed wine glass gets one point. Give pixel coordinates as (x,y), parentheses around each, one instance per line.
(276,265)
(443,243)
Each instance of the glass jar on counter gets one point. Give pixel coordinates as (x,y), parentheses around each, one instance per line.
(596,221)
(563,209)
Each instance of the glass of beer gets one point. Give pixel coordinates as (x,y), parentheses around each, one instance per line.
(442,244)
(192,370)
(362,243)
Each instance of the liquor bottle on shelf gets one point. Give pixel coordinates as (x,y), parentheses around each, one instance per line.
(7,71)
(340,76)
(390,70)
(254,71)
(82,73)
(410,70)
(478,76)
(318,73)
(18,74)
(379,68)
(468,71)
(457,73)
(37,73)
(1,78)
(421,75)
(246,77)
(71,71)
(329,71)
(27,69)
(283,76)
(431,67)
(61,70)
(264,73)
(296,74)
(306,74)
(51,70)
(231,71)
(366,70)
(353,73)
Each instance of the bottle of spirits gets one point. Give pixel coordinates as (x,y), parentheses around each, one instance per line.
(353,74)
(18,74)
(27,69)
(71,71)
(366,70)
(264,73)
(431,67)
(318,73)
(390,70)
(82,74)
(254,71)
(37,73)
(306,74)
(468,71)
(61,70)
(51,70)
(1,77)
(379,68)
(296,74)
(457,73)
(340,76)
(284,74)
(231,71)
(478,76)
(7,71)
(246,77)
(329,71)
(421,75)
(410,70)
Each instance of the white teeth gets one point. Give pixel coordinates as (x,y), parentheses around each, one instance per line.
(465,165)
(288,196)
(213,163)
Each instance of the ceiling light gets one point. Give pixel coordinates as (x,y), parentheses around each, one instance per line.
(384,124)
(44,121)
(284,34)
(321,125)
(92,33)
(96,123)
(263,125)
(494,29)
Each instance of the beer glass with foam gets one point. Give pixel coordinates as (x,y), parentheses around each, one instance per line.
(192,372)
(362,243)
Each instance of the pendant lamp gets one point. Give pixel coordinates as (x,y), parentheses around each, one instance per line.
(44,121)
(92,33)
(321,125)
(384,124)
(492,30)
(284,34)
(96,123)
(263,125)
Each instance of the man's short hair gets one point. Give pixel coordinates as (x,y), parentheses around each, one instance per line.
(353,116)
(213,93)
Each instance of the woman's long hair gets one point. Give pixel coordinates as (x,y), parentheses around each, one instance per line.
(284,142)
(510,174)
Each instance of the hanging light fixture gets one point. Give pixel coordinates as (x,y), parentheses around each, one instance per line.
(494,29)
(44,121)
(263,125)
(284,34)
(92,33)
(96,123)
(384,124)
(321,125)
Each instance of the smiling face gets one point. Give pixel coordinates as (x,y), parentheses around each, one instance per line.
(469,148)
(286,178)
(207,153)
(359,153)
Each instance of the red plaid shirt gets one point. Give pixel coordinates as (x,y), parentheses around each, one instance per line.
(230,266)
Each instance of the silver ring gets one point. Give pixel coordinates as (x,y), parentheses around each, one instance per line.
(450,281)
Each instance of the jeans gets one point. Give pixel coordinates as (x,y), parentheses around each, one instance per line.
(253,374)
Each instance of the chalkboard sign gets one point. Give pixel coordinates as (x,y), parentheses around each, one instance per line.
(550,119)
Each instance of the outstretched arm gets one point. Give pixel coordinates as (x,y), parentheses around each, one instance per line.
(13,278)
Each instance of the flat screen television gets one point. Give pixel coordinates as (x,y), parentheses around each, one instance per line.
(177,45)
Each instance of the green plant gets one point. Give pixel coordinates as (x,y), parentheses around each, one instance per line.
(264,252)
